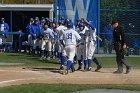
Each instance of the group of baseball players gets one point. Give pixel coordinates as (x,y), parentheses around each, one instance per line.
(48,38)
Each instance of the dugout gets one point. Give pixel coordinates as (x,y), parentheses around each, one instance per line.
(17,16)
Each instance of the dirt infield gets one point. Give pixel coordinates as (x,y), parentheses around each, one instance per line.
(24,75)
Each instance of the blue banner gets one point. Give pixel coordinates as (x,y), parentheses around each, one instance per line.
(76,9)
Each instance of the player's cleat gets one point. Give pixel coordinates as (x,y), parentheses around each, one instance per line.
(85,68)
(72,69)
(53,57)
(62,67)
(128,70)
(98,68)
(48,58)
(79,68)
(59,61)
(75,62)
(89,69)
(44,58)
(41,58)
(117,72)
(65,72)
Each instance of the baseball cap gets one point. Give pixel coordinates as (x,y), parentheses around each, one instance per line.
(114,21)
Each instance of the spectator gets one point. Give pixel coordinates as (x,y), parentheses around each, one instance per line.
(108,36)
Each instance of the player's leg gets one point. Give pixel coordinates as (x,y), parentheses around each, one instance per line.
(95,60)
(75,57)
(71,56)
(43,49)
(84,51)
(39,47)
(53,50)
(59,52)
(29,43)
(63,59)
(90,52)
(70,51)
(79,53)
(34,46)
(49,49)
(84,54)
(1,44)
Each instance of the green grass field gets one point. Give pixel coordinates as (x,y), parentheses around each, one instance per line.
(28,60)
(62,88)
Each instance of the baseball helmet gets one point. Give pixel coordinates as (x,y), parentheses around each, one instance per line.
(67,20)
(43,21)
(82,24)
(70,25)
(36,20)
(2,19)
(61,22)
(31,19)
(62,18)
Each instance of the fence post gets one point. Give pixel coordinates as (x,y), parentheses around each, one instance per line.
(98,25)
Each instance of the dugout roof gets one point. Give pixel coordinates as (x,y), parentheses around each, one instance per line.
(26,7)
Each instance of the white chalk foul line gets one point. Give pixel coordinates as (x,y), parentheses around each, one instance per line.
(21,71)
(15,80)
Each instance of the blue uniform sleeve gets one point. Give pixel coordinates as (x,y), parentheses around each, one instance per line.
(31,30)
(28,28)
(61,42)
(90,23)
(55,37)
(6,30)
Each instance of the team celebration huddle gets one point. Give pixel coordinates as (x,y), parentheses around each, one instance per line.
(63,39)
(69,43)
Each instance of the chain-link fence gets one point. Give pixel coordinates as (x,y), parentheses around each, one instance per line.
(129,18)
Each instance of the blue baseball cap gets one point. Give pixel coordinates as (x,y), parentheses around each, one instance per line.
(82,24)
(70,25)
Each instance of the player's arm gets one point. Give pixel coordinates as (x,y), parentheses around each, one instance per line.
(98,38)
(90,23)
(6,30)
(61,40)
(78,38)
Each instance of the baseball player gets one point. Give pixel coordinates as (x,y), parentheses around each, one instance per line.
(55,39)
(46,42)
(28,28)
(4,28)
(91,44)
(35,32)
(61,51)
(55,43)
(81,48)
(69,38)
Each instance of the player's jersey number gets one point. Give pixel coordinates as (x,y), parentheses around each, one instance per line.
(46,36)
(68,35)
